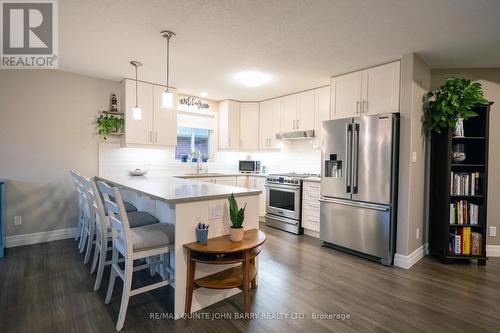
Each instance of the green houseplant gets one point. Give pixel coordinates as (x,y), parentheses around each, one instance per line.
(237,216)
(109,124)
(451,104)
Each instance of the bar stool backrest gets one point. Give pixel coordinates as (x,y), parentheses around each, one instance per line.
(122,238)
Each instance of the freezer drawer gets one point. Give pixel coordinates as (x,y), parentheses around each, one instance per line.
(361,227)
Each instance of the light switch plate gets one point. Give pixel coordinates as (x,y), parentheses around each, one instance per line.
(18,220)
(414,157)
(493,231)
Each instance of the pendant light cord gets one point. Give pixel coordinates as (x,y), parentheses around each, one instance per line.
(136,86)
(168,60)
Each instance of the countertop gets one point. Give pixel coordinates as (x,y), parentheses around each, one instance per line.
(312,179)
(215,175)
(177,190)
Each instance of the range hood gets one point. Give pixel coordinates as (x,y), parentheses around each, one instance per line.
(295,135)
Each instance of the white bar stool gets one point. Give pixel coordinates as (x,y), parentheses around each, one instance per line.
(138,243)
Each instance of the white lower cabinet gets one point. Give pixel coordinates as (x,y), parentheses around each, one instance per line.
(230,180)
(259,185)
(226,180)
(310,205)
(242,181)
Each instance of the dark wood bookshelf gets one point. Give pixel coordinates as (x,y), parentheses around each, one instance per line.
(476,149)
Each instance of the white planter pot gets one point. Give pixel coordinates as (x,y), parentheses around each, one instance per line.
(235,234)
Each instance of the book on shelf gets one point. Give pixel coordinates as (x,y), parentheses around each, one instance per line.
(465,242)
(464,183)
(475,247)
(463,212)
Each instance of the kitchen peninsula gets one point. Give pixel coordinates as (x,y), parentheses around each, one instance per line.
(186,203)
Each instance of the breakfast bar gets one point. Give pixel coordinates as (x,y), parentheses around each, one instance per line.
(186,203)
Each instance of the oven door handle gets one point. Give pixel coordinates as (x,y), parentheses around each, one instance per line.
(283,219)
(282,187)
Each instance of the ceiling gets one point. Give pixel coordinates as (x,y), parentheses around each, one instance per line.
(300,43)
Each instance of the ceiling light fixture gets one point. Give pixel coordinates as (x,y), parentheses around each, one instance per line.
(136,110)
(167,97)
(250,78)
(203,94)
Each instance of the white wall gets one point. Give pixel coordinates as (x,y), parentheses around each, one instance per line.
(412,217)
(47,128)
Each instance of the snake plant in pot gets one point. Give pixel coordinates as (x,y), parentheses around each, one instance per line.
(237,216)
(451,104)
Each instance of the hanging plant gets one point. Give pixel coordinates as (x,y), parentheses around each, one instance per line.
(453,101)
(109,124)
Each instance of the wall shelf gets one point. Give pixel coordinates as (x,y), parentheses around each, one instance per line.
(113,113)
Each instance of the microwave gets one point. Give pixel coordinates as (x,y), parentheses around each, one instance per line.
(249,166)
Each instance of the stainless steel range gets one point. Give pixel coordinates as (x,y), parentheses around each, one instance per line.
(283,201)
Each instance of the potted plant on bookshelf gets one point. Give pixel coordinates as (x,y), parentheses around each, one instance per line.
(237,216)
(451,104)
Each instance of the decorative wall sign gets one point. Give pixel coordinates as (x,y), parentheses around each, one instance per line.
(191,101)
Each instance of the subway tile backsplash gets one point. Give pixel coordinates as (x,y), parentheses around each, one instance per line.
(296,156)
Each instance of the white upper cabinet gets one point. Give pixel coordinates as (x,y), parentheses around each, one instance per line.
(229,125)
(158,126)
(288,113)
(380,89)
(321,110)
(164,120)
(305,111)
(138,131)
(346,95)
(371,91)
(249,125)
(270,123)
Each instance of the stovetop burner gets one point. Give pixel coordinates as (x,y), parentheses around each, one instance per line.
(289,178)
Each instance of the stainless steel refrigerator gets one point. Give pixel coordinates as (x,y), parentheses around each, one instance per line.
(359,185)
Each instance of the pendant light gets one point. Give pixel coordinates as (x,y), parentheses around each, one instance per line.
(136,110)
(167,97)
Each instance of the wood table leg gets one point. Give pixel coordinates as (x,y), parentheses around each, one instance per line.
(253,282)
(190,282)
(246,282)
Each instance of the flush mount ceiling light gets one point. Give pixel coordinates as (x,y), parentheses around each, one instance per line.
(136,110)
(203,94)
(251,78)
(167,97)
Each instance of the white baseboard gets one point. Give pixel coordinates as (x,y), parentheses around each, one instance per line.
(493,250)
(407,261)
(40,237)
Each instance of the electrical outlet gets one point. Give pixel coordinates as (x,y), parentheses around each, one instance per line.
(493,231)
(18,220)
(214,211)
(417,236)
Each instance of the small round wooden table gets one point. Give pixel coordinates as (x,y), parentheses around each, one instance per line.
(221,251)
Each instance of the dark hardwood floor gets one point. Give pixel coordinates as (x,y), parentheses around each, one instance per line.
(46,288)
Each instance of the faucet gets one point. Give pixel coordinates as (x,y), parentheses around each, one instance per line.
(199,167)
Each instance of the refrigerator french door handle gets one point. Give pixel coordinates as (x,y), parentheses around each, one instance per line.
(354,162)
(355,204)
(348,146)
